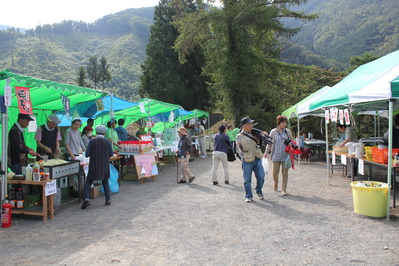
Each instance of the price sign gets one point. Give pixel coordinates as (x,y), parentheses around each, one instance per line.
(51,188)
(343,159)
(361,167)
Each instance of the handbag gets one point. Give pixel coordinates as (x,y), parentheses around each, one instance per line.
(230,154)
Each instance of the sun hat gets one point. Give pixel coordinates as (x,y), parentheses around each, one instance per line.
(246,120)
(183,131)
(54,118)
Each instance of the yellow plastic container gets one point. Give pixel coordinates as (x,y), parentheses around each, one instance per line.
(370,201)
(369,154)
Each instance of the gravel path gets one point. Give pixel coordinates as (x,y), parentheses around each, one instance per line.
(164,223)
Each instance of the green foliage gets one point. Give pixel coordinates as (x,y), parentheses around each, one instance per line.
(242,46)
(164,77)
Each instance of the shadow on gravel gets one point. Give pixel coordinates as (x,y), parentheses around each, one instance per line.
(317,200)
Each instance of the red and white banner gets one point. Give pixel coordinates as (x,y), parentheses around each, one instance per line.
(24,100)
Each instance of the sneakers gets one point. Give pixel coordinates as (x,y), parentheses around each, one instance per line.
(191,179)
(181,182)
(85,204)
(226,182)
(215,183)
(248,200)
(260,195)
(107,202)
(284,193)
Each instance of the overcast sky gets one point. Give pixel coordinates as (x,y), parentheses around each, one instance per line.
(30,13)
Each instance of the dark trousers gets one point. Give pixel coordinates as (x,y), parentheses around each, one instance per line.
(105,183)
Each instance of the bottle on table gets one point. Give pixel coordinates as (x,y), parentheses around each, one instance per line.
(20,199)
(13,198)
(36,172)
(41,170)
(28,172)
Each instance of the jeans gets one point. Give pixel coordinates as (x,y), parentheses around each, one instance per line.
(105,183)
(257,167)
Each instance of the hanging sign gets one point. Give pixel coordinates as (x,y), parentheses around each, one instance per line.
(343,159)
(327,116)
(347,119)
(51,188)
(171,117)
(67,105)
(333,114)
(361,167)
(142,109)
(24,100)
(100,105)
(149,124)
(341,117)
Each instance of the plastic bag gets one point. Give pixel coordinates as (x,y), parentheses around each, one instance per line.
(113,180)
(288,162)
(265,164)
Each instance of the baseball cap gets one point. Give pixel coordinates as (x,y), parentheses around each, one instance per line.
(246,120)
(54,118)
(101,129)
(25,116)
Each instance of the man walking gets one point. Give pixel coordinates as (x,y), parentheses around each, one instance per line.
(99,150)
(251,155)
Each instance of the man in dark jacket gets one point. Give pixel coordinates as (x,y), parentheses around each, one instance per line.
(99,150)
(183,152)
(48,137)
(17,150)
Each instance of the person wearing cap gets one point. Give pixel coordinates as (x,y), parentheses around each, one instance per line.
(200,132)
(183,152)
(17,149)
(48,137)
(89,126)
(99,150)
(280,135)
(73,139)
(251,155)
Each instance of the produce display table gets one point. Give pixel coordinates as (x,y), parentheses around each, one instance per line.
(47,208)
(370,164)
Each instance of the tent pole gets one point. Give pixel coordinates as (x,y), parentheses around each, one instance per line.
(389,175)
(327,155)
(4,123)
(375,128)
(299,145)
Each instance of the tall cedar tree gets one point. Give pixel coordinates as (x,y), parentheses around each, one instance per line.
(242,44)
(164,77)
(98,72)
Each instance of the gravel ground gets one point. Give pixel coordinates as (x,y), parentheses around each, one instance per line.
(164,223)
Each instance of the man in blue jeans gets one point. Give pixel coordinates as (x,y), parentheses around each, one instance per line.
(251,155)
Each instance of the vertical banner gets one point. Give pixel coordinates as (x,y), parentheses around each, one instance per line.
(347,119)
(327,116)
(7,93)
(67,105)
(24,101)
(142,107)
(341,117)
(100,105)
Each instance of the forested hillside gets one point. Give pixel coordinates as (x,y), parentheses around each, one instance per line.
(344,28)
(55,52)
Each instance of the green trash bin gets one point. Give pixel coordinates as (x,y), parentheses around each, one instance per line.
(370,198)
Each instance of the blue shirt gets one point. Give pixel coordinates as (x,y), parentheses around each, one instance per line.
(122,133)
(220,143)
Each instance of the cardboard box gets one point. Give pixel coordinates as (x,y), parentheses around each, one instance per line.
(95,192)
(340,150)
